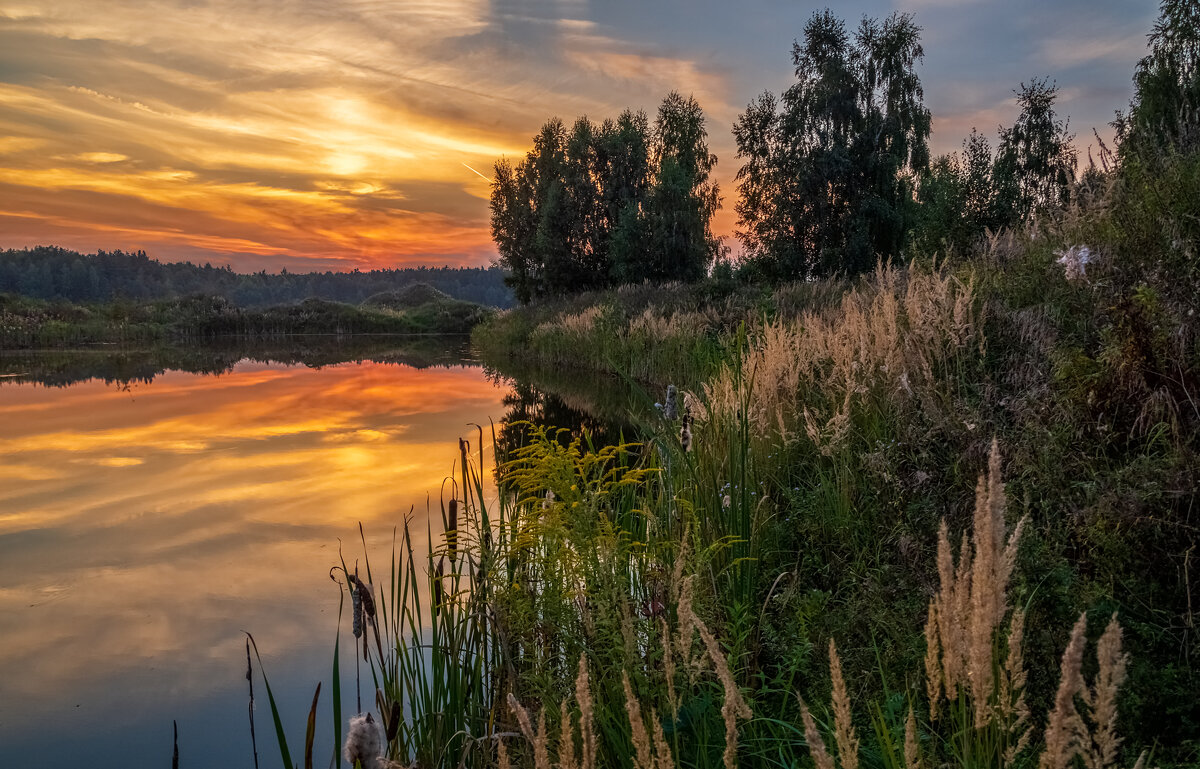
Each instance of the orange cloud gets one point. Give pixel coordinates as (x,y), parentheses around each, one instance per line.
(342,134)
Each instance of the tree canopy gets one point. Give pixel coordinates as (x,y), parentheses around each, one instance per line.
(1164,112)
(617,202)
(829,170)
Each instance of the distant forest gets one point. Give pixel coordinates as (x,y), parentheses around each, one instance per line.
(49,272)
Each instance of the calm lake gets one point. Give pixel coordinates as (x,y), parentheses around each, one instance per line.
(151,515)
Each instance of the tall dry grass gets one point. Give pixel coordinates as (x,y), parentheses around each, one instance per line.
(890,338)
(650,745)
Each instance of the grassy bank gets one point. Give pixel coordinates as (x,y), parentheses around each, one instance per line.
(32,324)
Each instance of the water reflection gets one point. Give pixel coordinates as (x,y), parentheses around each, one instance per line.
(608,409)
(60,368)
(148,516)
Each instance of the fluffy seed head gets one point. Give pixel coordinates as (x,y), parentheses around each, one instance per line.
(364,744)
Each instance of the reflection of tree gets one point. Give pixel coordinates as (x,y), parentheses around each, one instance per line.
(528,404)
(610,410)
(125,367)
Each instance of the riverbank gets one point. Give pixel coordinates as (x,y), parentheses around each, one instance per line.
(32,324)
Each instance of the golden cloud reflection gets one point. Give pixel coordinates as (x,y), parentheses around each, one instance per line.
(142,531)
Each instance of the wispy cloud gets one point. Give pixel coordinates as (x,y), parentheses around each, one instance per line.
(242,128)
(1065,51)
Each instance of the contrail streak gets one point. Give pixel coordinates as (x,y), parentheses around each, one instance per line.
(481,176)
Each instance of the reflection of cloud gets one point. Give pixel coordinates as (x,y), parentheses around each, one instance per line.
(128,572)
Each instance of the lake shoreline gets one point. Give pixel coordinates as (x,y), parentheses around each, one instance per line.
(27,323)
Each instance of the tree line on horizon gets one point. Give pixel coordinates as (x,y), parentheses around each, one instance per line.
(836,172)
(53,273)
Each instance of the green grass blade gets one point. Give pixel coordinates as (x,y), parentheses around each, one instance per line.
(337,683)
(284,753)
(311,731)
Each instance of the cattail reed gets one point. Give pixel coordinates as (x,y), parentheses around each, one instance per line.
(685,433)
(357,610)
(671,408)
(366,613)
(452,530)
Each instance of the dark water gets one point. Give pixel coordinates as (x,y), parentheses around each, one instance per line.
(155,505)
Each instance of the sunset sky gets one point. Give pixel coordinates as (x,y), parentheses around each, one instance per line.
(335,134)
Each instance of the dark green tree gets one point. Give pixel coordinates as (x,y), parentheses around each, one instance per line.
(608,203)
(683,198)
(829,175)
(532,222)
(1035,162)
(958,201)
(623,150)
(513,229)
(586,232)
(1165,112)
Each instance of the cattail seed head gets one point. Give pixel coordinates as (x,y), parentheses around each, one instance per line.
(364,744)
(452,529)
(364,592)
